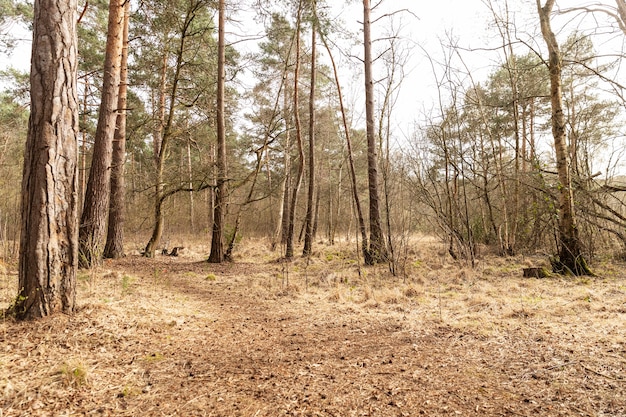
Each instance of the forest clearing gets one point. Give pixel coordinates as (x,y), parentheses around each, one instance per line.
(177,336)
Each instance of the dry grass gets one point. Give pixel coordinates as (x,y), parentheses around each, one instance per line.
(320,337)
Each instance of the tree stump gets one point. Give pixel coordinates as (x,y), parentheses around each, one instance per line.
(536,273)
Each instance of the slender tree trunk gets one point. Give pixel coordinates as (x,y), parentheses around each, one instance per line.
(83,151)
(164,131)
(114,247)
(217,241)
(192,223)
(570,252)
(310,208)
(355,193)
(95,210)
(49,229)
(286,189)
(378,251)
(296,114)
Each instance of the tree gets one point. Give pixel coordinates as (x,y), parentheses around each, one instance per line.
(114,247)
(308,237)
(217,241)
(48,243)
(96,207)
(570,257)
(378,251)
(183,82)
(296,116)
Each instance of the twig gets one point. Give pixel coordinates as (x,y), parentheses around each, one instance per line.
(562,365)
(601,374)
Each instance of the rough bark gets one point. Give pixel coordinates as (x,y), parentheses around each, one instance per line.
(217,240)
(377,250)
(570,258)
(114,247)
(49,234)
(95,210)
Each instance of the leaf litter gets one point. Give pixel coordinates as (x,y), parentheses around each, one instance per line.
(177,336)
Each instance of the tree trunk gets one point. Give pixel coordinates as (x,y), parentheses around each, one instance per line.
(570,259)
(296,115)
(217,241)
(310,208)
(355,193)
(192,223)
(114,247)
(96,207)
(377,250)
(49,237)
(164,131)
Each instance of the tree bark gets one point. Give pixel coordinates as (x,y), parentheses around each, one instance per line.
(570,259)
(217,241)
(49,234)
(114,247)
(377,250)
(96,207)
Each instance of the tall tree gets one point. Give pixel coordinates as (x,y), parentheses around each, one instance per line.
(570,249)
(114,247)
(308,237)
(298,126)
(217,241)
(378,251)
(48,243)
(96,207)
(353,180)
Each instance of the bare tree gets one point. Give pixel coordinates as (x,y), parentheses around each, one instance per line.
(49,236)
(346,129)
(570,252)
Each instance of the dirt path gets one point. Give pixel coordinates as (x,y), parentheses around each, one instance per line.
(177,337)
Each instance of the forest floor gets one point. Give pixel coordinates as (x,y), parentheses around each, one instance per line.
(176,336)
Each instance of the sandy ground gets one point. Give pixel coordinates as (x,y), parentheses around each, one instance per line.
(181,337)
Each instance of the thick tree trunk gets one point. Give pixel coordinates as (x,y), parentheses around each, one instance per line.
(49,234)
(310,208)
(114,247)
(377,250)
(217,241)
(96,207)
(570,252)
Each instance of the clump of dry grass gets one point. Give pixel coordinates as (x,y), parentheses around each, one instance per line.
(73,374)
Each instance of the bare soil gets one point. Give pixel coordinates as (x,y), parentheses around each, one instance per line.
(177,336)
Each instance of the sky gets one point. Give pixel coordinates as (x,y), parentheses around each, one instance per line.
(423,27)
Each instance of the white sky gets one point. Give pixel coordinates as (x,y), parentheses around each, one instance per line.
(427,26)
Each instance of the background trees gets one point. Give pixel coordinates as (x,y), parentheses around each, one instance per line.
(478,167)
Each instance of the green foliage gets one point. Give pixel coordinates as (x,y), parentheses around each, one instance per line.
(12,12)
